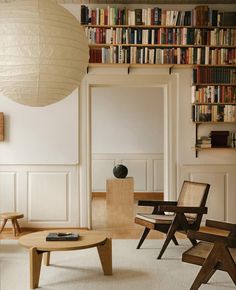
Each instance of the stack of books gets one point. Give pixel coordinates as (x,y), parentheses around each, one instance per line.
(233,139)
(204,142)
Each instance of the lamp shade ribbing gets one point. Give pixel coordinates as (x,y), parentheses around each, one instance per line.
(43,52)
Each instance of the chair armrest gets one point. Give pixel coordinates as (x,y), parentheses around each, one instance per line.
(183,209)
(221,225)
(155,202)
(212,238)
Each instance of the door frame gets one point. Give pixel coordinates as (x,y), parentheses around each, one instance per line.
(168,82)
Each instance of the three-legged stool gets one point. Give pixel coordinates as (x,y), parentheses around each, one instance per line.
(13,216)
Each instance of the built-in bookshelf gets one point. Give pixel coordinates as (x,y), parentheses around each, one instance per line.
(155,36)
(214,102)
(202,38)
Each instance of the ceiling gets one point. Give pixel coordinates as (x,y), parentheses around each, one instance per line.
(149,1)
(141,1)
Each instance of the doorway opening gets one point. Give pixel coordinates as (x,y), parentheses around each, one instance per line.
(166,85)
(127,127)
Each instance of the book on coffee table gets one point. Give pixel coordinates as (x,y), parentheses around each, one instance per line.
(60,236)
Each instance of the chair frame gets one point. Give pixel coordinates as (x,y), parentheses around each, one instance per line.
(179,223)
(217,257)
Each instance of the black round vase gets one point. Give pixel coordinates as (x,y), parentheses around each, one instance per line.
(120,171)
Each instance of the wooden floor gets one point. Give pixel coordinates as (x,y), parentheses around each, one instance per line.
(100,223)
(133,231)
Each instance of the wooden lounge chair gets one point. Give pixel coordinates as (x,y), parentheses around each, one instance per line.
(187,213)
(213,252)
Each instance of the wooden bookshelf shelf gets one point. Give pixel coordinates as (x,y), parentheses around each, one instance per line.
(215,104)
(172,65)
(138,65)
(155,26)
(158,45)
(210,122)
(197,124)
(215,148)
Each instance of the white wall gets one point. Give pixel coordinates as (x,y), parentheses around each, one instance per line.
(127,120)
(46,135)
(128,128)
(39,162)
(39,170)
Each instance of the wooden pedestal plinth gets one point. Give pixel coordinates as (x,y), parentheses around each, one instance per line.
(120,202)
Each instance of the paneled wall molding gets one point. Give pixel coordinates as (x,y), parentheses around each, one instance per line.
(120,156)
(47,195)
(146,169)
(222,178)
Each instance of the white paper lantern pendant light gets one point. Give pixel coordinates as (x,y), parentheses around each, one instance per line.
(43,52)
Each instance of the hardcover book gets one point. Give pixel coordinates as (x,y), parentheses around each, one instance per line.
(62,237)
(228,18)
(138,16)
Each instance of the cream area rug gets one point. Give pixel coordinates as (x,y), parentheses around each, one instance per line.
(132,269)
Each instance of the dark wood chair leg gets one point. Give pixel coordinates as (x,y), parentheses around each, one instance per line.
(193,242)
(228,263)
(207,268)
(209,276)
(175,241)
(232,274)
(143,237)
(169,237)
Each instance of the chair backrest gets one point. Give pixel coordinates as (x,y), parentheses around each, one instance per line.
(193,194)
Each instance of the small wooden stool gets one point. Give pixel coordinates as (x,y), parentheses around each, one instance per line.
(13,216)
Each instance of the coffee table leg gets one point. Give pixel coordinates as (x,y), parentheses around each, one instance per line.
(105,254)
(46,258)
(35,267)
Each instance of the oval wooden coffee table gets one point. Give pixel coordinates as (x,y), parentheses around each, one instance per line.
(39,247)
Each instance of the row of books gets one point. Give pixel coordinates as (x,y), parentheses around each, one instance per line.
(174,36)
(214,94)
(161,55)
(214,141)
(214,75)
(214,113)
(233,139)
(199,16)
(204,142)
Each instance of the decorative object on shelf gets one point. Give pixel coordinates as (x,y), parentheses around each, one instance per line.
(120,171)
(44,52)
(219,138)
(1,126)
